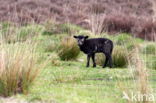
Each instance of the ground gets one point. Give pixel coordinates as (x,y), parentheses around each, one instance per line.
(71,82)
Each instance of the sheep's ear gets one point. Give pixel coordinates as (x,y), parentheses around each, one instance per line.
(75,36)
(86,37)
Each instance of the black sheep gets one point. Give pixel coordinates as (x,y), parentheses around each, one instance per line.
(96,45)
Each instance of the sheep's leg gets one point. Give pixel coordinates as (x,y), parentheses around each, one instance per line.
(88,60)
(110,61)
(106,61)
(93,58)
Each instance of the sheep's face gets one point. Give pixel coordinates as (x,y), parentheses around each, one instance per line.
(80,39)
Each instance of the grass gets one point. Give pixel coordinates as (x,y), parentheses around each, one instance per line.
(86,85)
(18,68)
(150,48)
(68,49)
(71,82)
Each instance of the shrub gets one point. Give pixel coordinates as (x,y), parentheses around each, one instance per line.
(149,48)
(18,68)
(119,56)
(68,49)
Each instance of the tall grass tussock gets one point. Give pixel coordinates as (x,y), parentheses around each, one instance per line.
(119,56)
(68,49)
(18,68)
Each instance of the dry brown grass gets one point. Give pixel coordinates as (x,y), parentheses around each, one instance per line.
(18,67)
(141,79)
(142,75)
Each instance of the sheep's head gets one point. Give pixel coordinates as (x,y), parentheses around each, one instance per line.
(80,39)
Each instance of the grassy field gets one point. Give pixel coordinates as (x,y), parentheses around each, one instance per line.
(71,82)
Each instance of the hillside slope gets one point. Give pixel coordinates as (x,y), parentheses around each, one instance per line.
(123,14)
(74,11)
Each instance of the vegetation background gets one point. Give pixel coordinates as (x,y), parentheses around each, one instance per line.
(40,61)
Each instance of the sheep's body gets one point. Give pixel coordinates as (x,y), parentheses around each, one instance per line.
(96,45)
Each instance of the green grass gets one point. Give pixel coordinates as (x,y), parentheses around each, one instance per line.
(71,82)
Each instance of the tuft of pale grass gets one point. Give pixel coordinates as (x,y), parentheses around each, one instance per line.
(18,67)
(140,75)
(68,49)
(140,84)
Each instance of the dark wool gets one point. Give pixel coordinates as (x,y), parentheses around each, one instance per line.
(96,45)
